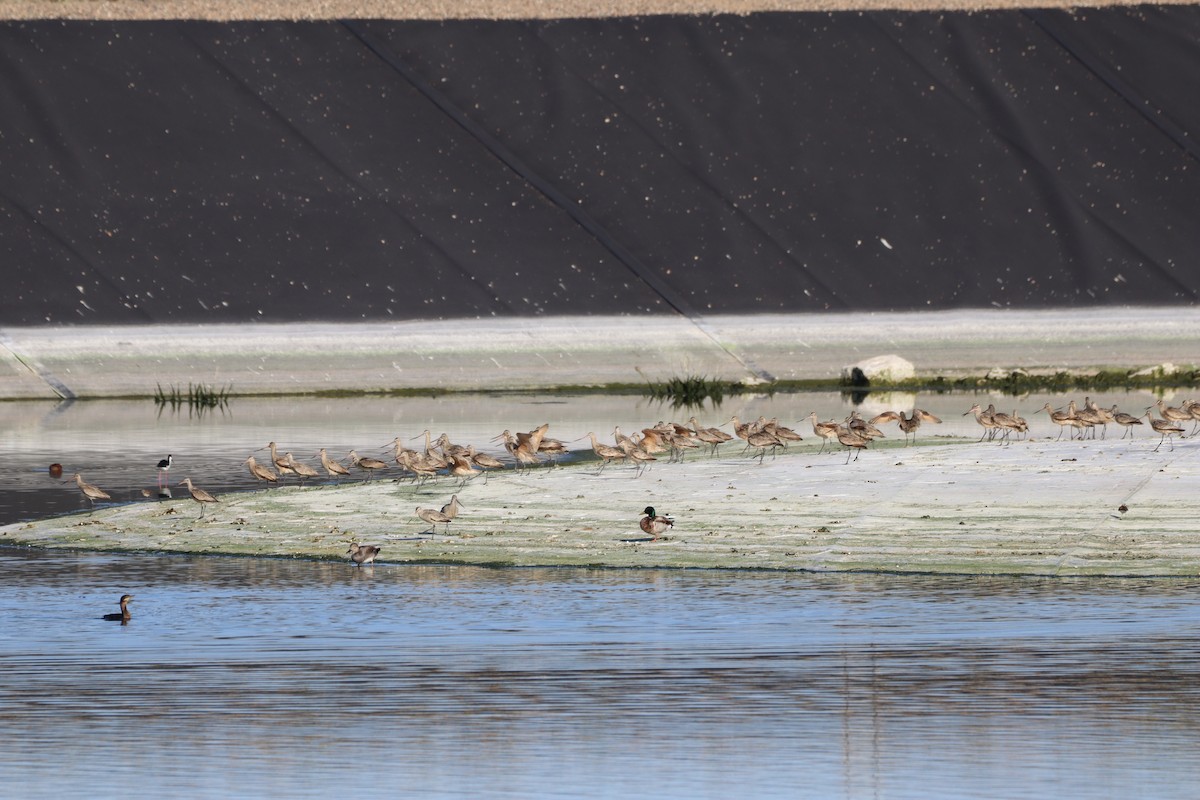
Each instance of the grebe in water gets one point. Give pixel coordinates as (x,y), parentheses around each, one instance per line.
(123,617)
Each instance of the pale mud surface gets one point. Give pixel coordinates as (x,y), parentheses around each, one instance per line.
(1039,507)
(477,9)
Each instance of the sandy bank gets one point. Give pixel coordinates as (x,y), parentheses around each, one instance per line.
(1039,507)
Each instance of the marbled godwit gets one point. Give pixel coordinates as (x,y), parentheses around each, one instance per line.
(92,493)
(680,444)
(553,448)
(1060,418)
(1127,421)
(637,454)
(1193,408)
(431,454)
(906,424)
(260,472)
(763,440)
(301,469)
(433,517)
(714,437)
(826,430)
(163,467)
(362,553)
(1166,427)
(452,508)
(1087,419)
(861,427)
(783,434)
(621,440)
(485,462)
(656,440)
(521,450)
(911,424)
(1171,413)
(1103,416)
(462,467)
(199,495)
(985,421)
(332,468)
(1005,423)
(653,524)
(853,442)
(124,616)
(605,452)
(414,462)
(367,465)
(281,464)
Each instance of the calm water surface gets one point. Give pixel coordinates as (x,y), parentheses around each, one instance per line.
(272,678)
(245,677)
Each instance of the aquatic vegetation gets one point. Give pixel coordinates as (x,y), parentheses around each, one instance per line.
(198,397)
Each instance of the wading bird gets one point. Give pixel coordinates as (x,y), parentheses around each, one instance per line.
(362,553)
(199,495)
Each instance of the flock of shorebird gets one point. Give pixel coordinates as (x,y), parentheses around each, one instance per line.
(441,457)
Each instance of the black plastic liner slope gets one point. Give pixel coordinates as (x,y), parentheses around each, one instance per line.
(202,172)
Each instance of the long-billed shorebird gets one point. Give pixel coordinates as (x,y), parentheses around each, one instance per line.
(281,464)
(605,452)
(826,430)
(1126,421)
(452,508)
(462,467)
(367,465)
(713,437)
(301,469)
(433,517)
(1166,427)
(362,553)
(261,472)
(332,468)
(199,495)
(1171,413)
(90,491)
(852,441)
(1062,419)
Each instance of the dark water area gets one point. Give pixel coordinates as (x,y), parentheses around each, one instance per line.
(277,678)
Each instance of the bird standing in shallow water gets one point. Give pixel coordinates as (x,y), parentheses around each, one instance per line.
(163,467)
(123,617)
(653,524)
(362,553)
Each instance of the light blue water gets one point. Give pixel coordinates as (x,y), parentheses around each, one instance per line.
(270,678)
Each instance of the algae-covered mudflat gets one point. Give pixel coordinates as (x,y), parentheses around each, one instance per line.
(1040,507)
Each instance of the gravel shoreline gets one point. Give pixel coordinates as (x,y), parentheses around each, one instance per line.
(482,9)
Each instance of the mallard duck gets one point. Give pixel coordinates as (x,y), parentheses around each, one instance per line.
(653,524)
(362,553)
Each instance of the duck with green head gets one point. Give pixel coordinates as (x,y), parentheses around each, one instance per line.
(653,524)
